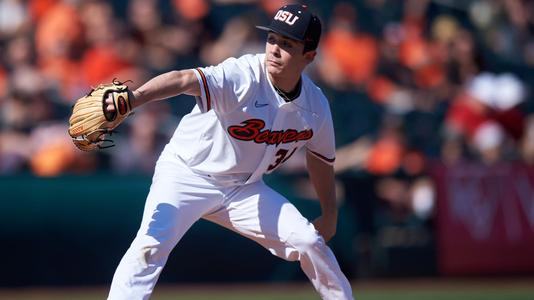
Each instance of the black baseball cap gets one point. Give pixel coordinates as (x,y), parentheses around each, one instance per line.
(296,22)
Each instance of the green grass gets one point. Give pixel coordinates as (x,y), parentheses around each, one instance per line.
(366,295)
(394,290)
(448,295)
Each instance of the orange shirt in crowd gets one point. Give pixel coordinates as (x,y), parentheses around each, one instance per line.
(430,75)
(66,73)
(57,31)
(356,54)
(39,8)
(192,10)
(100,64)
(271,6)
(53,159)
(3,82)
(385,157)
(413,52)
(380,89)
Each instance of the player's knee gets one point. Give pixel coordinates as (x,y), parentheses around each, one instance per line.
(306,241)
(150,254)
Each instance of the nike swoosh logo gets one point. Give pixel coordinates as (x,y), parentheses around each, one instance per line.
(256,104)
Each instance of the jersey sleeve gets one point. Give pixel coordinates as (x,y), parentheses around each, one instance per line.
(322,145)
(224,86)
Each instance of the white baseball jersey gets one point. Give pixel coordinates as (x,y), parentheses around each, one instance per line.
(241,126)
(240,129)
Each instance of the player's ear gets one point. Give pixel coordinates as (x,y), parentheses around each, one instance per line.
(310,55)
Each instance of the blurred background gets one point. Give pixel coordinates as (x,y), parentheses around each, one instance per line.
(432,105)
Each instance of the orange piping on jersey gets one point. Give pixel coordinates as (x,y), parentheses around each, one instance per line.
(330,160)
(205,84)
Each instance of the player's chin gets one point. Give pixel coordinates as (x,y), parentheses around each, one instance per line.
(274,69)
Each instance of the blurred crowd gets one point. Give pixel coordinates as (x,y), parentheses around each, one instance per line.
(410,82)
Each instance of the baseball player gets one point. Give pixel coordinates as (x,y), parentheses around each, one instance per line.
(252,114)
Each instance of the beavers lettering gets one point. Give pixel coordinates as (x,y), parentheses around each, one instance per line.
(251,130)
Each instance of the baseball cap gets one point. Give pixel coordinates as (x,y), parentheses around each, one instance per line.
(296,22)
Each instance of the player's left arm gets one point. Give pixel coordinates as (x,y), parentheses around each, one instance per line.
(322,177)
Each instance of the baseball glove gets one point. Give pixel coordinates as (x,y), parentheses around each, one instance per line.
(90,121)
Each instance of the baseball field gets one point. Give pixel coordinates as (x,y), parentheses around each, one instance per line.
(464,289)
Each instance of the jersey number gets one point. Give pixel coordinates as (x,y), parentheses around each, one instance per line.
(282,157)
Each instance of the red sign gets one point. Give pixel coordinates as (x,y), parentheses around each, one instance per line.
(485,221)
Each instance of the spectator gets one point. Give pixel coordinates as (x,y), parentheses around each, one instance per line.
(426,70)
(350,56)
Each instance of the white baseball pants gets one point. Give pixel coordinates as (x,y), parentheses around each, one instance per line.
(178,198)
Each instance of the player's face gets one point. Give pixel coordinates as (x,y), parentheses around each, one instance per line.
(284,57)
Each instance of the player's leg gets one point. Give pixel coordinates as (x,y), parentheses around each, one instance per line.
(260,213)
(174,203)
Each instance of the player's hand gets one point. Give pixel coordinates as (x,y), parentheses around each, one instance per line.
(326,226)
(109,104)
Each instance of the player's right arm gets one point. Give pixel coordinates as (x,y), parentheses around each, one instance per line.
(164,86)
(167,85)
(230,82)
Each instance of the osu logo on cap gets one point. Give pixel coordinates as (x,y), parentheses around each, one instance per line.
(285,16)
